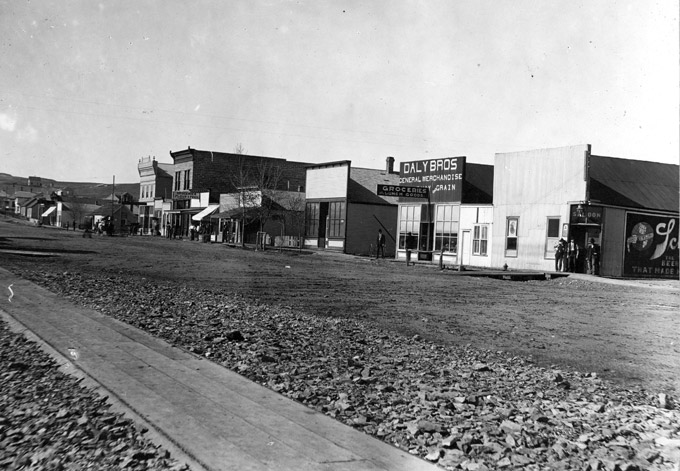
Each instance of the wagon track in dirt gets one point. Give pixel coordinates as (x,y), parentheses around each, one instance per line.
(627,333)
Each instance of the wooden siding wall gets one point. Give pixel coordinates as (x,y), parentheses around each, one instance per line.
(362,228)
(613,242)
(533,186)
(469,216)
(327,182)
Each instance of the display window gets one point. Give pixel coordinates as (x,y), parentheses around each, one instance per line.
(446,228)
(409,226)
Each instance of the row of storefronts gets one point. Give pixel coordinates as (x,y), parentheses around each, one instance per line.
(446,210)
(510,214)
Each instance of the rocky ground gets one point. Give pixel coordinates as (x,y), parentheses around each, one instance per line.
(49,421)
(469,373)
(457,406)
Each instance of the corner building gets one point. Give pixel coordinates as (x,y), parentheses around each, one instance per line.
(155,188)
(629,207)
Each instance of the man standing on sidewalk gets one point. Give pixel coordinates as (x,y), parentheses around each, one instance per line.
(572,255)
(593,257)
(560,248)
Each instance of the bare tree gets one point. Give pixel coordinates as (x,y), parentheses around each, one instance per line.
(256,180)
(294,205)
(241,180)
(267,177)
(78,207)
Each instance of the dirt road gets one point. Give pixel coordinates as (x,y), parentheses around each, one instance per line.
(628,331)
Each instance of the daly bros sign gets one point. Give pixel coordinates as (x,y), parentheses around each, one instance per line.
(444,177)
(651,246)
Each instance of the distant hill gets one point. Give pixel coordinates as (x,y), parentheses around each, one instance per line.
(10,183)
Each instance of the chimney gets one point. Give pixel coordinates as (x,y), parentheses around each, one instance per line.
(390,165)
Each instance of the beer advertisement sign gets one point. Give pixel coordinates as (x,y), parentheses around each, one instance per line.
(651,246)
(443,177)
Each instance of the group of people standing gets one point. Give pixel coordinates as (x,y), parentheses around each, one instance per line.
(570,256)
(200,231)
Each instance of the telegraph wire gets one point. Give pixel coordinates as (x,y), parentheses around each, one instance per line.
(206,115)
(148,111)
(258,131)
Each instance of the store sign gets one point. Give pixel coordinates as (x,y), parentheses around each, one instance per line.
(444,177)
(404,191)
(184,195)
(651,246)
(585,214)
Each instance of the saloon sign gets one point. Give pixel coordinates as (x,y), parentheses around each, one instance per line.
(444,177)
(651,246)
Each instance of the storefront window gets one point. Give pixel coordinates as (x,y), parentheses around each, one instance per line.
(446,227)
(312,220)
(480,239)
(336,219)
(409,222)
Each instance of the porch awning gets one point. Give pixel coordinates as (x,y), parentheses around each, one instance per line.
(206,212)
(49,211)
(182,211)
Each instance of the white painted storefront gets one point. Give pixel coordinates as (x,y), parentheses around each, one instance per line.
(532,192)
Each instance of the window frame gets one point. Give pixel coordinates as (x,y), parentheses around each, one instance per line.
(410,216)
(550,241)
(336,220)
(511,234)
(480,240)
(446,228)
(312,211)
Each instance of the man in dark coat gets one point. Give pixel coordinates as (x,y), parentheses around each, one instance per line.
(560,249)
(572,255)
(593,257)
(380,245)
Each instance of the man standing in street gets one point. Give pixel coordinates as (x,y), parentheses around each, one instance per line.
(380,245)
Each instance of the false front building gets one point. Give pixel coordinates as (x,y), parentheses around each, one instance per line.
(451,222)
(155,190)
(628,207)
(344,211)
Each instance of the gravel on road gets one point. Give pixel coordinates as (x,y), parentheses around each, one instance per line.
(457,406)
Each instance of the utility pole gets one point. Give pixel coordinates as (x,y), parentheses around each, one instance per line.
(113,195)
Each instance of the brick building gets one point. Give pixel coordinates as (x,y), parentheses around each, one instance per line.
(197,172)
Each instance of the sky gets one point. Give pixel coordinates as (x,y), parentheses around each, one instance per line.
(88,88)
